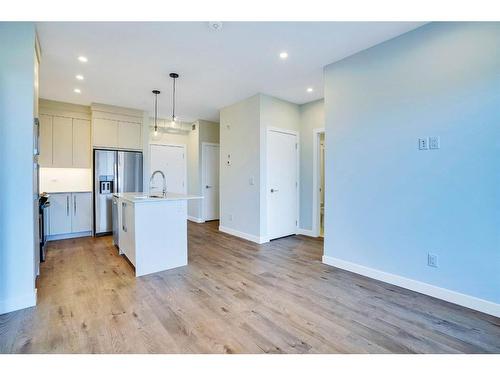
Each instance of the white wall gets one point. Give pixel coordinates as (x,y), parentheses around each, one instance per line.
(240,138)
(17,289)
(243,189)
(389,204)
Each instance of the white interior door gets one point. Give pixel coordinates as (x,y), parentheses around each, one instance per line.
(169,159)
(282,184)
(210,183)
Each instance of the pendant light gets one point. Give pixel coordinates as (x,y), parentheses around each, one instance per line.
(174,124)
(156,129)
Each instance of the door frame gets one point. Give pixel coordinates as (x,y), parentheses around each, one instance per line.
(184,148)
(316,211)
(297,169)
(203,176)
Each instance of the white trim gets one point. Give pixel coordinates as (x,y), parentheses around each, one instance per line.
(245,236)
(306,232)
(203,176)
(315,190)
(195,219)
(65,236)
(18,303)
(297,166)
(461,299)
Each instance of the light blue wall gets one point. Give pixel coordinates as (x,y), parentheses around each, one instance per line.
(17,43)
(387,203)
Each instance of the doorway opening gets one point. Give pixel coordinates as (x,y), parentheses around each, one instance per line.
(319,182)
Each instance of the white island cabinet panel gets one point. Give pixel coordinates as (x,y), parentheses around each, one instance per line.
(153,233)
(167,236)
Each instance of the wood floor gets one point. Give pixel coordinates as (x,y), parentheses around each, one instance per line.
(233,297)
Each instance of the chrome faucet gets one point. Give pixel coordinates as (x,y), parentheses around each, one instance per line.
(164,182)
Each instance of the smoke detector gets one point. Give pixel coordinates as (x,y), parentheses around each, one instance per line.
(215,25)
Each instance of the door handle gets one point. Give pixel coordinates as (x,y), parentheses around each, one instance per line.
(274,190)
(67,205)
(74,203)
(208,187)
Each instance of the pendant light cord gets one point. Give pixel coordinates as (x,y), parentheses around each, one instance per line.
(173,104)
(156,112)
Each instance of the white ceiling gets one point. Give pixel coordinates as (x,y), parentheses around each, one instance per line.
(127,60)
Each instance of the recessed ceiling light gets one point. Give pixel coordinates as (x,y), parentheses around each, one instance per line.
(310,89)
(79,77)
(78,91)
(283,55)
(82,59)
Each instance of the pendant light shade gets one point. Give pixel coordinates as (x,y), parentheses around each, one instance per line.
(156,134)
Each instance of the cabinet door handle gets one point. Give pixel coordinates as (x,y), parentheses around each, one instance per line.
(67,205)
(124,227)
(74,203)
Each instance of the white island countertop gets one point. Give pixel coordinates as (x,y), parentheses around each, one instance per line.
(139,197)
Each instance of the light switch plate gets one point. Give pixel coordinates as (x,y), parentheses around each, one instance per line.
(423,144)
(432,260)
(433,143)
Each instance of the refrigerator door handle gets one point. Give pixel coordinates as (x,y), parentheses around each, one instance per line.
(115,171)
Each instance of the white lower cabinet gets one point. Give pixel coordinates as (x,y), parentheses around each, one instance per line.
(70,213)
(127,231)
(60,214)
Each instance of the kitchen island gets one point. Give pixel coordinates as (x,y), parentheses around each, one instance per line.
(151,231)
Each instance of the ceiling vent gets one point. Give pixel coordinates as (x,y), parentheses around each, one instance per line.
(215,25)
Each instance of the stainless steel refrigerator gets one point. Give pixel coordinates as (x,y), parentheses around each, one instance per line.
(114,172)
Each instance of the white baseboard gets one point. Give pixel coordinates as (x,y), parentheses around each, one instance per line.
(461,299)
(246,236)
(18,303)
(65,236)
(195,219)
(306,232)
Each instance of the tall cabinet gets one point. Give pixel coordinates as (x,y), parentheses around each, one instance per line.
(65,135)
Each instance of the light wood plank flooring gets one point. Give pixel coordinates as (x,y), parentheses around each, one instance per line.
(233,297)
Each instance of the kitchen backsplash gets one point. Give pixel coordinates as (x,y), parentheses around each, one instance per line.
(53,180)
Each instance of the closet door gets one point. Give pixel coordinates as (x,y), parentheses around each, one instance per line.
(62,128)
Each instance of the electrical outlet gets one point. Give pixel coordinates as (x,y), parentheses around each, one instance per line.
(423,144)
(433,143)
(230,217)
(432,260)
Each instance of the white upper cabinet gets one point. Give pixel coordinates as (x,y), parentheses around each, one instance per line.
(81,143)
(45,158)
(116,127)
(105,132)
(129,135)
(62,139)
(64,135)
